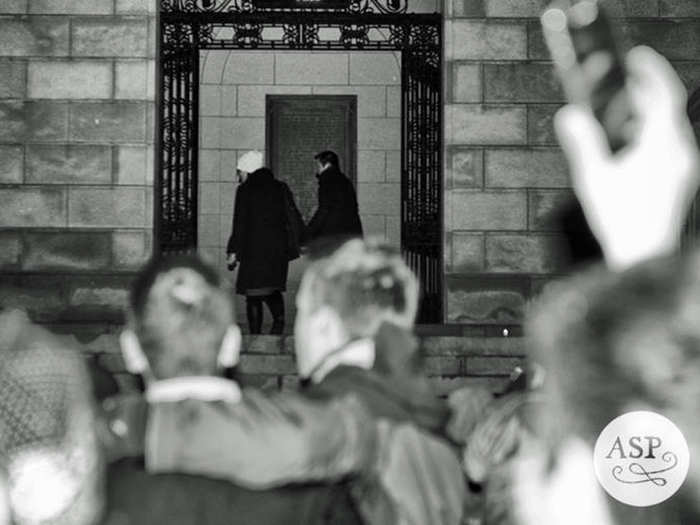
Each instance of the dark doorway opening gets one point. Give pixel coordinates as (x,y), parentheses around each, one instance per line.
(298,127)
(189,26)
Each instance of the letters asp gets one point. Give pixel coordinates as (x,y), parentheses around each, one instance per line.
(635,447)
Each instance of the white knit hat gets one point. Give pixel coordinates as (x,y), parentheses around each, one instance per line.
(250,162)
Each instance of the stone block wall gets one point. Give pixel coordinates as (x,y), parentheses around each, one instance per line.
(233,90)
(76,154)
(504,173)
(77,112)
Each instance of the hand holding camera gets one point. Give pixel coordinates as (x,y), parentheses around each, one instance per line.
(633,157)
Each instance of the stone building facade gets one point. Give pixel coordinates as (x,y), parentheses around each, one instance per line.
(77,128)
(504,173)
(76,153)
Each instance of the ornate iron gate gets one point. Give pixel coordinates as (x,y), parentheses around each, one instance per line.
(189,26)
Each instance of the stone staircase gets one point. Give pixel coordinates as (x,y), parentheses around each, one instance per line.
(88,310)
(452,360)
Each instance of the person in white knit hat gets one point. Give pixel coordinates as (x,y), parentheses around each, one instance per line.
(260,240)
(249,163)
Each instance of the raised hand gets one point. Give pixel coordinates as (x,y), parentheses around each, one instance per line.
(635,201)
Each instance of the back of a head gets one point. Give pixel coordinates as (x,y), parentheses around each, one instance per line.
(49,460)
(367,283)
(612,343)
(180,315)
(328,157)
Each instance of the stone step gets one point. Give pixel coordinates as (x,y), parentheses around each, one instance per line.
(268,361)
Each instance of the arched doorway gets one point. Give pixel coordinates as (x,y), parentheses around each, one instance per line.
(189,26)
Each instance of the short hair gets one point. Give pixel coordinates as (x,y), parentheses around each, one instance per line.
(367,283)
(328,157)
(180,315)
(610,341)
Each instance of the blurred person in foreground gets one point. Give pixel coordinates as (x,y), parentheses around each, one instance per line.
(51,469)
(180,337)
(624,337)
(356,308)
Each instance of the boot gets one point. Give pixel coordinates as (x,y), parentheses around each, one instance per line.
(277,326)
(275,302)
(254,310)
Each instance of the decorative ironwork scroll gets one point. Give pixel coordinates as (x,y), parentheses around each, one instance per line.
(249,6)
(176,183)
(421,204)
(189,26)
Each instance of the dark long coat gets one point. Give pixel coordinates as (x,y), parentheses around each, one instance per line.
(135,497)
(259,235)
(337,213)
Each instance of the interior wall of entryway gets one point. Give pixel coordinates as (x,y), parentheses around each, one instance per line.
(233,90)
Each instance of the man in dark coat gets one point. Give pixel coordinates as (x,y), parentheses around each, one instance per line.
(337,213)
(260,242)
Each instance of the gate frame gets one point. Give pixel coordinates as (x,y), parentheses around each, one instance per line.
(187,27)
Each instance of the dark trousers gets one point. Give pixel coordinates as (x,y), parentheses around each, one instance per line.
(254,309)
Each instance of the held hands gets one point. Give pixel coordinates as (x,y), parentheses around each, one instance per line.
(636,200)
(231,261)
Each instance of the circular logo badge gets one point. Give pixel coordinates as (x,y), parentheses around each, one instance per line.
(641,458)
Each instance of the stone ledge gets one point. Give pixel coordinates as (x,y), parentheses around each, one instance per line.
(267,362)
(488,299)
(67,298)
(270,355)
(473,346)
(75,252)
(491,366)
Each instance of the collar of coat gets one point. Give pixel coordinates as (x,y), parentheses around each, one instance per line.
(330,171)
(202,388)
(360,353)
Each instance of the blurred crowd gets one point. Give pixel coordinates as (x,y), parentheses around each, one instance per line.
(365,439)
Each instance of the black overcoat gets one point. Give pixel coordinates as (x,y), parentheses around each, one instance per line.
(337,213)
(135,497)
(259,234)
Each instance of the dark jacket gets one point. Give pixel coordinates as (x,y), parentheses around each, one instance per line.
(337,213)
(385,397)
(245,460)
(420,474)
(135,497)
(397,388)
(262,441)
(259,233)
